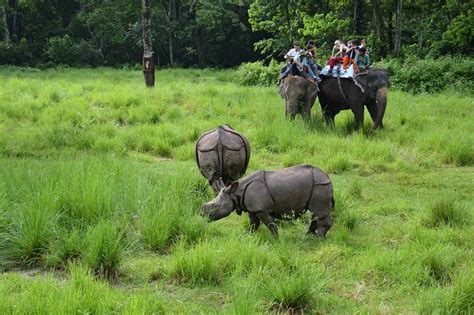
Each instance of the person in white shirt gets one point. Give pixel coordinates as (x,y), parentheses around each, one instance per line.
(290,57)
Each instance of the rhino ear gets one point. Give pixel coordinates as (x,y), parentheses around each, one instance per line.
(232,188)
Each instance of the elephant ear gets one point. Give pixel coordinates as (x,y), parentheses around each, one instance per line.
(361,82)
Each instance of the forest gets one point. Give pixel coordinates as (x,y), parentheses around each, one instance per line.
(101,196)
(225,33)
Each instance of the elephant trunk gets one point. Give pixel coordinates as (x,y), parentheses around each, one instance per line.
(381,99)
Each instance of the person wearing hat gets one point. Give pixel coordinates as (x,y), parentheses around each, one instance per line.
(362,59)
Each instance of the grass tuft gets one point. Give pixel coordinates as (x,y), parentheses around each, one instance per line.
(104,251)
(289,292)
(26,238)
(197,265)
(461,299)
(446,212)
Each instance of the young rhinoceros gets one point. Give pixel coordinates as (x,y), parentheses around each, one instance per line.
(222,156)
(266,195)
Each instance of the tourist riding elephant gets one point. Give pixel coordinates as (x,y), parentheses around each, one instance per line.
(296,90)
(369,89)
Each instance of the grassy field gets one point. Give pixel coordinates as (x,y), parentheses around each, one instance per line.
(100,195)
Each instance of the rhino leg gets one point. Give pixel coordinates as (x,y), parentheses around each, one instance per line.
(254,221)
(269,222)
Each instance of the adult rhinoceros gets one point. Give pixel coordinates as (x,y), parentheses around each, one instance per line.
(369,89)
(267,195)
(222,156)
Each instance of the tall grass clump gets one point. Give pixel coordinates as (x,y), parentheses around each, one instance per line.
(104,251)
(27,235)
(446,212)
(354,190)
(245,300)
(439,264)
(198,265)
(461,299)
(68,247)
(459,153)
(289,291)
(343,214)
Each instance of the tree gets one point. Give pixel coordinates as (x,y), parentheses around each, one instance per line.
(148,64)
(358,17)
(6,32)
(398,28)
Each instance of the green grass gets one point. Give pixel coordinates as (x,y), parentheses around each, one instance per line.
(100,198)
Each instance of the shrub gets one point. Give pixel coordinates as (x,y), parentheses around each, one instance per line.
(256,73)
(15,53)
(63,51)
(430,75)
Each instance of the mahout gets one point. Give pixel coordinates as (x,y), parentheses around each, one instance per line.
(267,195)
(299,95)
(222,155)
(366,89)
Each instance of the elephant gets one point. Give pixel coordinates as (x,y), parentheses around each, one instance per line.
(369,88)
(222,156)
(267,195)
(295,90)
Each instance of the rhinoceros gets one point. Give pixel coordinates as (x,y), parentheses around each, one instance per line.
(267,195)
(222,156)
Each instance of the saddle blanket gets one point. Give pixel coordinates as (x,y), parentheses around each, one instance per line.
(349,73)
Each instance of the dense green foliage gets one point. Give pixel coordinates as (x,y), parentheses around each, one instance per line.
(98,181)
(409,75)
(227,32)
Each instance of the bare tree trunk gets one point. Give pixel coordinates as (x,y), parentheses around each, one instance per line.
(398,28)
(148,64)
(170,33)
(6,32)
(200,45)
(379,25)
(358,17)
(170,39)
(15,21)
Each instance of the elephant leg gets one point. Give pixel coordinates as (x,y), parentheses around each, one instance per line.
(254,221)
(373,111)
(329,117)
(358,112)
(268,221)
(308,104)
(291,109)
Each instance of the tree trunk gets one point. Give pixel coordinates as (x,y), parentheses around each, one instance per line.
(6,32)
(200,45)
(15,21)
(358,17)
(379,25)
(398,28)
(148,64)
(170,38)
(170,33)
